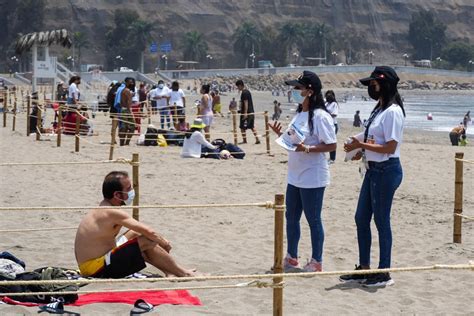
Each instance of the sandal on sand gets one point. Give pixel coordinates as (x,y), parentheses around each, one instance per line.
(141,307)
(55,308)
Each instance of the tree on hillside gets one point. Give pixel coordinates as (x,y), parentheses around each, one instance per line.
(426,34)
(194,46)
(351,44)
(247,39)
(318,40)
(80,41)
(458,54)
(270,48)
(141,34)
(121,40)
(291,37)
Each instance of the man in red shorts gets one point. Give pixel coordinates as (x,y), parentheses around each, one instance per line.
(100,254)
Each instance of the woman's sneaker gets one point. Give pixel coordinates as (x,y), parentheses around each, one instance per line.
(290,263)
(378,280)
(354,277)
(313,266)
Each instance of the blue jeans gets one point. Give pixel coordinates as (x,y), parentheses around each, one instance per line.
(311,200)
(376,196)
(165,113)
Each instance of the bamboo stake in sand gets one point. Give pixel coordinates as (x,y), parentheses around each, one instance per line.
(39,115)
(5,108)
(234,126)
(267,132)
(112,138)
(14,114)
(78,122)
(28,109)
(458,196)
(278,254)
(136,185)
(60,129)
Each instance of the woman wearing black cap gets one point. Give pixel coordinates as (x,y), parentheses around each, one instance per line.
(379,147)
(308,171)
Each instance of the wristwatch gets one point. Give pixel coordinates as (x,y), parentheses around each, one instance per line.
(306,149)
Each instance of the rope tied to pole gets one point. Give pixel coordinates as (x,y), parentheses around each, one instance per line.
(267,205)
(118,160)
(468,218)
(464,160)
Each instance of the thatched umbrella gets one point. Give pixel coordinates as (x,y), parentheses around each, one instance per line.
(25,42)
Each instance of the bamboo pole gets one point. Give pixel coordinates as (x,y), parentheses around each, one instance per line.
(14,114)
(136,185)
(278,254)
(267,132)
(112,138)
(28,109)
(5,108)
(149,111)
(458,196)
(39,115)
(60,127)
(78,126)
(234,126)
(175,115)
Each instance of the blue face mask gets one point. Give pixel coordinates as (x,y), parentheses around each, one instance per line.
(296,96)
(161,86)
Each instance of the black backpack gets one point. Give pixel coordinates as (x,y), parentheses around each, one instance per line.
(151,137)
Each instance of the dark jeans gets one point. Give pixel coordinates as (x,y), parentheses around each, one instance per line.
(165,114)
(454,137)
(332,154)
(311,201)
(376,196)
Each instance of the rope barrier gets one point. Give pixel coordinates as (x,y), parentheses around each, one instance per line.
(255,284)
(435,267)
(267,205)
(118,160)
(468,218)
(465,160)
(35,229)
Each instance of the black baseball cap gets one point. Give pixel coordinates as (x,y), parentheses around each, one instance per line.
(307,80)
(382,73)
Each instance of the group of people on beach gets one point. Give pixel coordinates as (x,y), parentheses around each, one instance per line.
(100,253)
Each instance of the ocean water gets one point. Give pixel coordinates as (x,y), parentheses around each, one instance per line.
(447,110)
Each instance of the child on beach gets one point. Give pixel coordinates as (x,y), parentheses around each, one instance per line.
(276,110)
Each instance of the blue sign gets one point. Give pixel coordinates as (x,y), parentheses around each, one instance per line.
(153,48)
(165,47)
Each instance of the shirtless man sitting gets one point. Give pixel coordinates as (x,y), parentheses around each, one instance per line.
(99,254)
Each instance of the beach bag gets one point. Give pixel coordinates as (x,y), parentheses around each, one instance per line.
(235,151)
(151,137)
(219,143)
(47,273)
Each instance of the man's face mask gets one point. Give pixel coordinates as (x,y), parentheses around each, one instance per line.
(130,197)
(161,86)
(296,96)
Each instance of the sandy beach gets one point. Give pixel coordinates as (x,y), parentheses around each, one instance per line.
(240,240)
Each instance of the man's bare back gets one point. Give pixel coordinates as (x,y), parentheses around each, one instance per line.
(96,234)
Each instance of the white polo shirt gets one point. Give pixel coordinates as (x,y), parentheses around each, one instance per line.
(311,170)
(387,125)
(333,109)
(164,92)
(177,97)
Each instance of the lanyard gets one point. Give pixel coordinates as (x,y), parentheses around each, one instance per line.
(372,117)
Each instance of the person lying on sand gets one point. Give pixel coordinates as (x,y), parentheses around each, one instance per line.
(100,254)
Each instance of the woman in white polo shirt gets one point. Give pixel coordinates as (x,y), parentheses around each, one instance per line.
(379,148)
(308,170)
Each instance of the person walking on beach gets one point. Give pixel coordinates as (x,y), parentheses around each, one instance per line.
(247,112)
(276,110)
(100,254)
(123,103)
(333,108)
(233,107)
(205,110)
(467,119)
(162,95)
(308,171)
(177,99)
(456,133)
(380,151)
(357,121)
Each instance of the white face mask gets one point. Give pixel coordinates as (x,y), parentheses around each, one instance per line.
(161,86)
(131,196)
(297,97)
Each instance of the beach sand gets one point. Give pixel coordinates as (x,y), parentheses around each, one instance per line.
(240,240)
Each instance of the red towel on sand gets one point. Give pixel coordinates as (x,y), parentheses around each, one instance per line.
(180,297)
